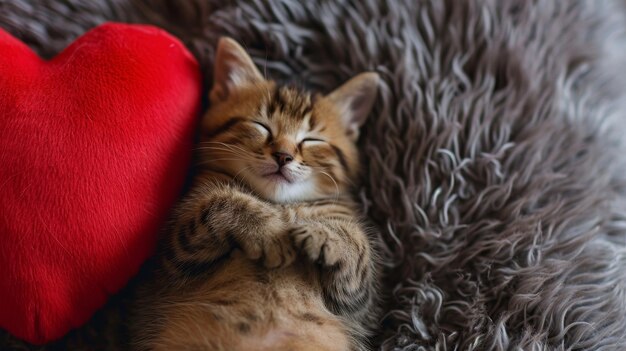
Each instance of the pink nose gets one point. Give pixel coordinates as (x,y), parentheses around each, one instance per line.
(282,158)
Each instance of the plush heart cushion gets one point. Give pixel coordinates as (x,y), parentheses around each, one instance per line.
(94,149)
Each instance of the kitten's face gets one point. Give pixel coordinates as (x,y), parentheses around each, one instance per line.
(285,145)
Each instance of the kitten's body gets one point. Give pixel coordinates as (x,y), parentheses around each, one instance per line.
(267,251)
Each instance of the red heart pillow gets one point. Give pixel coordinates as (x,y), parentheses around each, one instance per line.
(94,149)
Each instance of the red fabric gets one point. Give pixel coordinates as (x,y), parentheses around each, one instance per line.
(94,149)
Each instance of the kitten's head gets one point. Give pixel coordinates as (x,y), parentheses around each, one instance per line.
(285,144)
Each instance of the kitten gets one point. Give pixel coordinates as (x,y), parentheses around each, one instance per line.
(267,251)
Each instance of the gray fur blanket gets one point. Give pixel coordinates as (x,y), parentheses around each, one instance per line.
(495,160)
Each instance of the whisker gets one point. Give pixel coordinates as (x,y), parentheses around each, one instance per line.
(243,156)
(219,148)
(336,186)
(230,146)
(240,172)
(317,168)
(221,159)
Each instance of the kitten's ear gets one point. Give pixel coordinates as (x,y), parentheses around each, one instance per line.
(233,68)
(355,99)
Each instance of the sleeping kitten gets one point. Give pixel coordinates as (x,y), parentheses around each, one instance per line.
(267,251)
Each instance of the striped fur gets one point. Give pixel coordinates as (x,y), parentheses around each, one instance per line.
(258,262)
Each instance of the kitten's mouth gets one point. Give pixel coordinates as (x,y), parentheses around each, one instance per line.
(277,176)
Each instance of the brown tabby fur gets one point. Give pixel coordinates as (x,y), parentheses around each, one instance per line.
(251,264)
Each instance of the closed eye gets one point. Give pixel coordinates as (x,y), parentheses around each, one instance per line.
(312,141)
(263,128)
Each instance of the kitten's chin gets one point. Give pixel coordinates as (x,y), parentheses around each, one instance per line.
(283,191)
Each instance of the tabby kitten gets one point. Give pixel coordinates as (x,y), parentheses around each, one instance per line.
(267,252)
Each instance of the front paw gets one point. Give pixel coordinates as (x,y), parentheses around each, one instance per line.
(273,249)
(317,243)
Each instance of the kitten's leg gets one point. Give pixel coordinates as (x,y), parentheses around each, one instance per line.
(211,222)
(343,251)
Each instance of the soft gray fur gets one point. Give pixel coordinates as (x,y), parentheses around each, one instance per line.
(495,165)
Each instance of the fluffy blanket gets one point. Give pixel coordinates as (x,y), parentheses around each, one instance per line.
(494,157)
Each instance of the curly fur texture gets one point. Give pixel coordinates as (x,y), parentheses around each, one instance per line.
(495,155)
